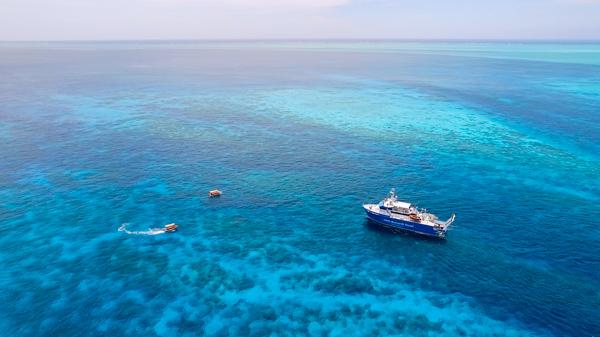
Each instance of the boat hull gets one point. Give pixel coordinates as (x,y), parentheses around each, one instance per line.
(399,224)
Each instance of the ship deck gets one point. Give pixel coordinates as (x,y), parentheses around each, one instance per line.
(375,209)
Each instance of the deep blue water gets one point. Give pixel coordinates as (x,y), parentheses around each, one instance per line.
(298,135)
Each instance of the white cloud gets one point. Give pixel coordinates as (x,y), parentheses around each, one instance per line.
(255,19)
(256,4)
(579,2)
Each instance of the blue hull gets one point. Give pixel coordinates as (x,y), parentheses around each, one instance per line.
(397,224)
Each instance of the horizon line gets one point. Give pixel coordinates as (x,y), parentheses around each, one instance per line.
(480,40)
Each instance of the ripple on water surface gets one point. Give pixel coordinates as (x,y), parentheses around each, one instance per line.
(286,250)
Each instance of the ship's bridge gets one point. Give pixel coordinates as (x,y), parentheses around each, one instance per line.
(390,203)
(401,204)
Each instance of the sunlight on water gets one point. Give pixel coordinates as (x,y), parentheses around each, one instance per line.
(99,147)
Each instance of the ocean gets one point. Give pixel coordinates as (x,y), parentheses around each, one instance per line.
(298,135)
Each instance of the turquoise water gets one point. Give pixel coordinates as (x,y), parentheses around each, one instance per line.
(298,135)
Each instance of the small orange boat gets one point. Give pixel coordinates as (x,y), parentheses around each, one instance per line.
(170,227)
(214,193)
(414,217)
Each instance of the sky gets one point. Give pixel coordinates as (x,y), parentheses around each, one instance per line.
(298,19)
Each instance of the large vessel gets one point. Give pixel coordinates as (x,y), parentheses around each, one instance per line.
(400,215)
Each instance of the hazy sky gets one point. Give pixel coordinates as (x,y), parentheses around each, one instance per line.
(242,19)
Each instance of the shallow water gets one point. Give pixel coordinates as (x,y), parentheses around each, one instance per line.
(298,135)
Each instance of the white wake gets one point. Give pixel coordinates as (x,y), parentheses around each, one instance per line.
(150,231)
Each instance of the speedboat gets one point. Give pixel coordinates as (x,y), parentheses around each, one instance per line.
(400,215)
(170,227)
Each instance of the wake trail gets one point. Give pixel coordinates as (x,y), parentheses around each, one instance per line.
(150,231)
